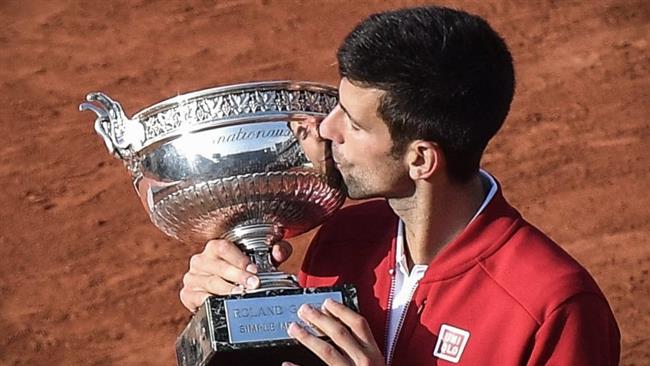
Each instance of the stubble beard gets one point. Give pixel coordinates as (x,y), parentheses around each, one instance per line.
(358,180)
(364,183)
(356,186)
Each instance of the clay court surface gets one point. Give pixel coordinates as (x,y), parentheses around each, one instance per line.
(85,279)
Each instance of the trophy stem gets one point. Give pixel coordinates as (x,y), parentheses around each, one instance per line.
(256,241)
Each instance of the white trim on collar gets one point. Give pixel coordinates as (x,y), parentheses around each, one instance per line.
(493,190)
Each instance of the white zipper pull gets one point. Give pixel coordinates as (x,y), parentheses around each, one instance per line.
(421,307)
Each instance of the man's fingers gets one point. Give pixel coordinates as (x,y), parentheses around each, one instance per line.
(322,349)
(223,249)
(192,299)
(220,270)
(335,329)
(217,284)
(281,251)
(357,323)
(347,329)
(196,288)
(208,267)
(204,283)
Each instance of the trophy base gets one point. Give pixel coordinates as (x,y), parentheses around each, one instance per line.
(251,328)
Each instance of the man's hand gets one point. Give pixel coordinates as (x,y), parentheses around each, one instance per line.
(347,329)
(222,269)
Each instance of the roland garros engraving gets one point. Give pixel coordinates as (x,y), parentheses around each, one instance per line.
(256,319)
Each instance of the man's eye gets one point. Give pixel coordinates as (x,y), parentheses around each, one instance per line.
(353,125)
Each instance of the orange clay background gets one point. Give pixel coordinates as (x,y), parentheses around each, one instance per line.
(86,279)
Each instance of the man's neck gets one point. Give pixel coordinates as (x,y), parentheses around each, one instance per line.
(435,214)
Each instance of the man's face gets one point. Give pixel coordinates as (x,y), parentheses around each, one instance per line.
(315,148)
(361,145)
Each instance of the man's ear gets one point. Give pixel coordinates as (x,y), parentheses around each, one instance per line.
(424,158)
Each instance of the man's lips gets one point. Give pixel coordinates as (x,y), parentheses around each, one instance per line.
(335,161)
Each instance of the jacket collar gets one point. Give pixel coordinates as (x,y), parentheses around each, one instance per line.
(483,236)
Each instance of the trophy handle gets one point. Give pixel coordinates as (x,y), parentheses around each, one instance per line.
(121,135)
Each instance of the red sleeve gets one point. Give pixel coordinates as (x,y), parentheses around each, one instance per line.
(580,332)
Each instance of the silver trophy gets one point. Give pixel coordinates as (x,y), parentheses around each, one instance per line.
(245,163)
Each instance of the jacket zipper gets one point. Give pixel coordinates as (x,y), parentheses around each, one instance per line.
(389,354)
(391,293)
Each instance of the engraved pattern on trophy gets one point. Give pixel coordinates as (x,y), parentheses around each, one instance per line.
(208,108)
(225,162)
(293,200)
(245,163)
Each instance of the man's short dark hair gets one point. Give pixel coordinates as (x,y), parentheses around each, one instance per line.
(447,77)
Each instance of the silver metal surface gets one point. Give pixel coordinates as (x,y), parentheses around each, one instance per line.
(243,162)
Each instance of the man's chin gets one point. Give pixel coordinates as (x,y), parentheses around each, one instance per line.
(358,194)
(352,188)
(363,197)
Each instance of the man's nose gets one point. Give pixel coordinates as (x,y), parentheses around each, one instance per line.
(328,127)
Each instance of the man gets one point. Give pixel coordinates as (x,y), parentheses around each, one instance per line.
(447,271)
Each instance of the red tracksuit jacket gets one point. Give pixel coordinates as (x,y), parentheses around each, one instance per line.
(502,293)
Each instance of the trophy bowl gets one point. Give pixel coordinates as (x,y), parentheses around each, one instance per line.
(241,162)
